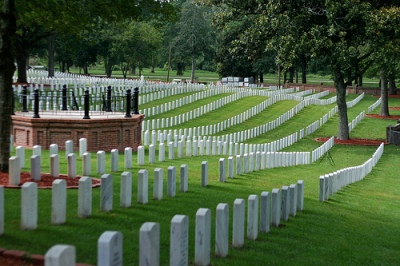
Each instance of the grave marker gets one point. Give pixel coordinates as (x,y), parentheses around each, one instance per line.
(179,240)
(60,255)
(222,230)
(171,185)
(85,197)
(126,190)
(149,244)
(158,184)
(106,193)
(109,249)
(59,202)
(252,217)
(143,187)
(29,206)
(202,237)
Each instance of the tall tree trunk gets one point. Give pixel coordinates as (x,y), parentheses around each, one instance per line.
(22,55)
(343,128)
(7,69)
(392,85)
(303,69)
(261,77)
(51,50)
(384,95)
(193,68)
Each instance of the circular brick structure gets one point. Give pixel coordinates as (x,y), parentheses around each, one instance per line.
(103,132)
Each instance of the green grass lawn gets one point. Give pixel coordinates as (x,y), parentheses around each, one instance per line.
(357,226)
(206,76)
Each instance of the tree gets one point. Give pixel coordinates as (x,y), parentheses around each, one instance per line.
(7,68)
(194,35)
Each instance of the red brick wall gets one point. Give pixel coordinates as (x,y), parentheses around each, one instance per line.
(102,134)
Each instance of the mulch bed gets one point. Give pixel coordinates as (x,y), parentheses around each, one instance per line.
(46,180)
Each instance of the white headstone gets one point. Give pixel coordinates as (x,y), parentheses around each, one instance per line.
(86,164)
(184,177)
(82,146)
(171,184)
(265,212)
(222,230)
(59,202)
(114,160)
(35,167)
(85,197)
(14,172)
(109,249)
(179,240)
(101,161)
(149,244)
(126,190)
(252,217)
(276,207)
(158,184)
(143,187)
(128,158)
(204,174)
(106,193)
(29,206)
(60,255)
(71,165)
(55,165)
(202,237)
(20,152)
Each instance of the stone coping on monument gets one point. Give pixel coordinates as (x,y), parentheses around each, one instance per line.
(75,115)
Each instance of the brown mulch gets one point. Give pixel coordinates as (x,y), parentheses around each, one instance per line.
(353,141)
(391,117)
(46,180)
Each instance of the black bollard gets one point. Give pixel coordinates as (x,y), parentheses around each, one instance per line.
(64,98)
(24,99)
(108,108)
(128,103)
(86,105)
(136,101)
(36,104)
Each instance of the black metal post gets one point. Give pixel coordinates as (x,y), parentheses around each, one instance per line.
(136,101)
(24,99)
(36,104)
(64,98)
(86,105)
(108,109)
(128,103)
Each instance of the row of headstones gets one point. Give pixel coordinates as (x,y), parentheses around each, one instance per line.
(324,101)
(303,93)
(321,150)
(262,213)
(208,147)
(238,119)
(333,182)
(356,120)
(212,129)
(316,95)
(56,83)
(236,137)
(374,105)
(16,163)
(29,194)
(182,118)
(259,161)
(168,106)
(317,124)
(145,98)
(355,101)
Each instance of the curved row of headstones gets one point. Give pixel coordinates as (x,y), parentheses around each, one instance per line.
(213,129)
(168,106)
(263,212)
(240,93)
(355,101)
(356,120)
(374,105)
(333,182)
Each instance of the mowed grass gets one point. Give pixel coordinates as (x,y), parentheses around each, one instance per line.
(357,226)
